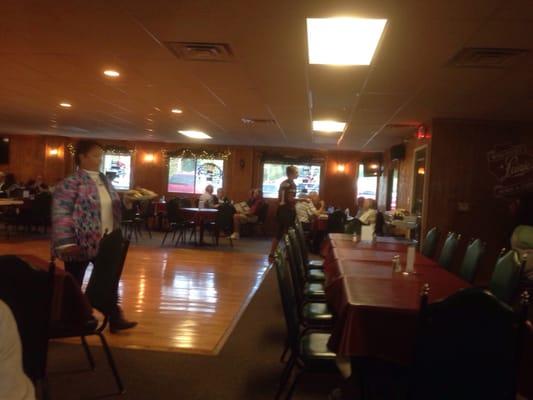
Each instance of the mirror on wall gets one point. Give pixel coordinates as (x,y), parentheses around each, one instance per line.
(419,179)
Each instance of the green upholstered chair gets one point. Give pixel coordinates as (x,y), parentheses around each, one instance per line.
(309,350)
(430,243)
(471,259)
(304,289)
(468,346)
(448,250)
(506,276)
(311,274)
(304,249)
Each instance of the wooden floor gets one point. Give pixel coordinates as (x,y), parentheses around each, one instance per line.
(185,300)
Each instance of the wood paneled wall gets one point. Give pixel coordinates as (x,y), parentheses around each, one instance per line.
(30,157)
(461,197)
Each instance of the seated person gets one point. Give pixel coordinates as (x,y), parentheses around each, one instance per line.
(10,185)
(220,197)
(14,384)
(366,216)
(207,199)
(522,242)
(306,208)
(247,214)
(359,206)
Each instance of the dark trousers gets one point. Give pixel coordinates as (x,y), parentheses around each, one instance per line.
(77,270)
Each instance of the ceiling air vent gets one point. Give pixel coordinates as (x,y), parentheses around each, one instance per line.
(195,51)
(257,121)
(477,57)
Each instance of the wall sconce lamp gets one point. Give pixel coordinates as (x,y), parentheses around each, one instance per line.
(421,171)
(149,158)
(340,167)
(53,152)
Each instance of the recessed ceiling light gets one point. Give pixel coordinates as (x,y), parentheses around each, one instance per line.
(343,41)
(111,73)
(65,105)
(195,134)
(176,111)
(329,126)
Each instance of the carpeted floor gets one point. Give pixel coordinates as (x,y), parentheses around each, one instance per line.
(248,366)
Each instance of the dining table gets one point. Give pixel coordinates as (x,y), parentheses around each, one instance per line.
(200,216)
(376,308)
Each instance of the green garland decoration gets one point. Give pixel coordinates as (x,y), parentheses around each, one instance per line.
(196,154)
(108,149)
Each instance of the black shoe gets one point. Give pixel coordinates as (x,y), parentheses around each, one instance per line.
(120,325)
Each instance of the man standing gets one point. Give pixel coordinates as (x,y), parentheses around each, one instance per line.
(286,207)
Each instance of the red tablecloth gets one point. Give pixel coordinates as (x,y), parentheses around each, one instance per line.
(320,224)
(374,256)
(376,309)
(200,216)
(160,208)
(344,240)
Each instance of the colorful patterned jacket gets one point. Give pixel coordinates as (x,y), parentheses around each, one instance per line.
(76,215)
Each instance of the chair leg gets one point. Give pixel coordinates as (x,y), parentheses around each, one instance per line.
(88,353)
(111,362)
(285,351)
(181,236)
(285,375)
(42,389)
(148,230)
(293,386)
(164,238)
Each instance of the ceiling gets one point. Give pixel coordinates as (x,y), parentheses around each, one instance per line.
(54,51)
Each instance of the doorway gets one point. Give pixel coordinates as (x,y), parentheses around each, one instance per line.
(419,180)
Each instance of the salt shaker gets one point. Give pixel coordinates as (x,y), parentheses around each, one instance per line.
(397,266)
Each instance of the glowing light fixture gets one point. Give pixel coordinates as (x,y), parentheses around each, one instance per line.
(149,157)
(421,171)
(111,73)
(343,41)
(195,134)
(53,152)
(374,166)
(329,126)
(340,167)
(176,111)
(65,104)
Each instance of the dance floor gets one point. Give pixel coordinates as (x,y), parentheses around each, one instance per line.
(185,299)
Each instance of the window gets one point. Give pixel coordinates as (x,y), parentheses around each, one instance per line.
(117,168)
(189,175)
(366,185)
(275,173)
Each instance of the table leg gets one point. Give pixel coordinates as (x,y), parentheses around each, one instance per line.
(201,241)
